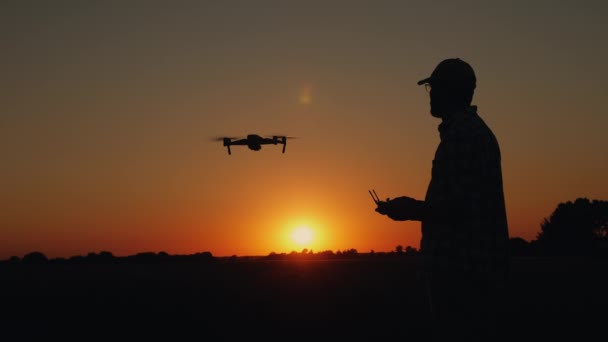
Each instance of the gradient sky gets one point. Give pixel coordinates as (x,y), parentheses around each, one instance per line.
(109,108)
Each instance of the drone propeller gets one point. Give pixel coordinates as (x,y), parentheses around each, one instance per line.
(284,136)
(222,138)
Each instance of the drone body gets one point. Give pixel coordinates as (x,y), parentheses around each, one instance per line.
(254,141)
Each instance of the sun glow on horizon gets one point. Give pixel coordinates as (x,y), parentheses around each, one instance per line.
(299,231)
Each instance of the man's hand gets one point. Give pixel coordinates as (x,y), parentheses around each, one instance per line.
(401,208)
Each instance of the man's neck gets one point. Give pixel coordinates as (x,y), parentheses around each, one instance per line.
(458,112)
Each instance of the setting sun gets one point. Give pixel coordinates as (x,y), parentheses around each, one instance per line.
(302,230)
(302,235)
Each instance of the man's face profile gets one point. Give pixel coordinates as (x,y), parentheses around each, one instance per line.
(437,105)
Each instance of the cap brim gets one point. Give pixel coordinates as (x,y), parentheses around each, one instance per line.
(424,81)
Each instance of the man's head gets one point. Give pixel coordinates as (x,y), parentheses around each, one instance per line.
(452,85)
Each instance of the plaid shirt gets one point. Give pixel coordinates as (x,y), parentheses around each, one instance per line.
(464,228)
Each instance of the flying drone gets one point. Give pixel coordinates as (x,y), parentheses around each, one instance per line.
(254,142)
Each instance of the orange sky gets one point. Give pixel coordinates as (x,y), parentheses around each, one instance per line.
(109,111)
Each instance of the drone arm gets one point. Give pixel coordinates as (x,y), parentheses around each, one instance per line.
(284,140)
(227,143)
(239,142)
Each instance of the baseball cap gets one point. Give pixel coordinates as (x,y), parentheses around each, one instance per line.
(453,71)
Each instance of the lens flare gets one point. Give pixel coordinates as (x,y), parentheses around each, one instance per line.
(306,95)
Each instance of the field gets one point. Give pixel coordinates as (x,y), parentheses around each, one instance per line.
(349,299)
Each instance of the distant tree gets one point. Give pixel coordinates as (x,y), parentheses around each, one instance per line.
(92,257)
(34,258)
(144,257)
(399,249)
(101,257)
(14,259)
(409,250)
(106,255)
(326,254)
(203,256)
(59,260)
(352,252)
(575,228)
(76,258)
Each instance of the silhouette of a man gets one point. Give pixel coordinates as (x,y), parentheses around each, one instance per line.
(463,216)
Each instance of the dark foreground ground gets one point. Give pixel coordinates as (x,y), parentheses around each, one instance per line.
(339,300)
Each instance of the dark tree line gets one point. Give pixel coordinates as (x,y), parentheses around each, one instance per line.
(575,228)
(106,257)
